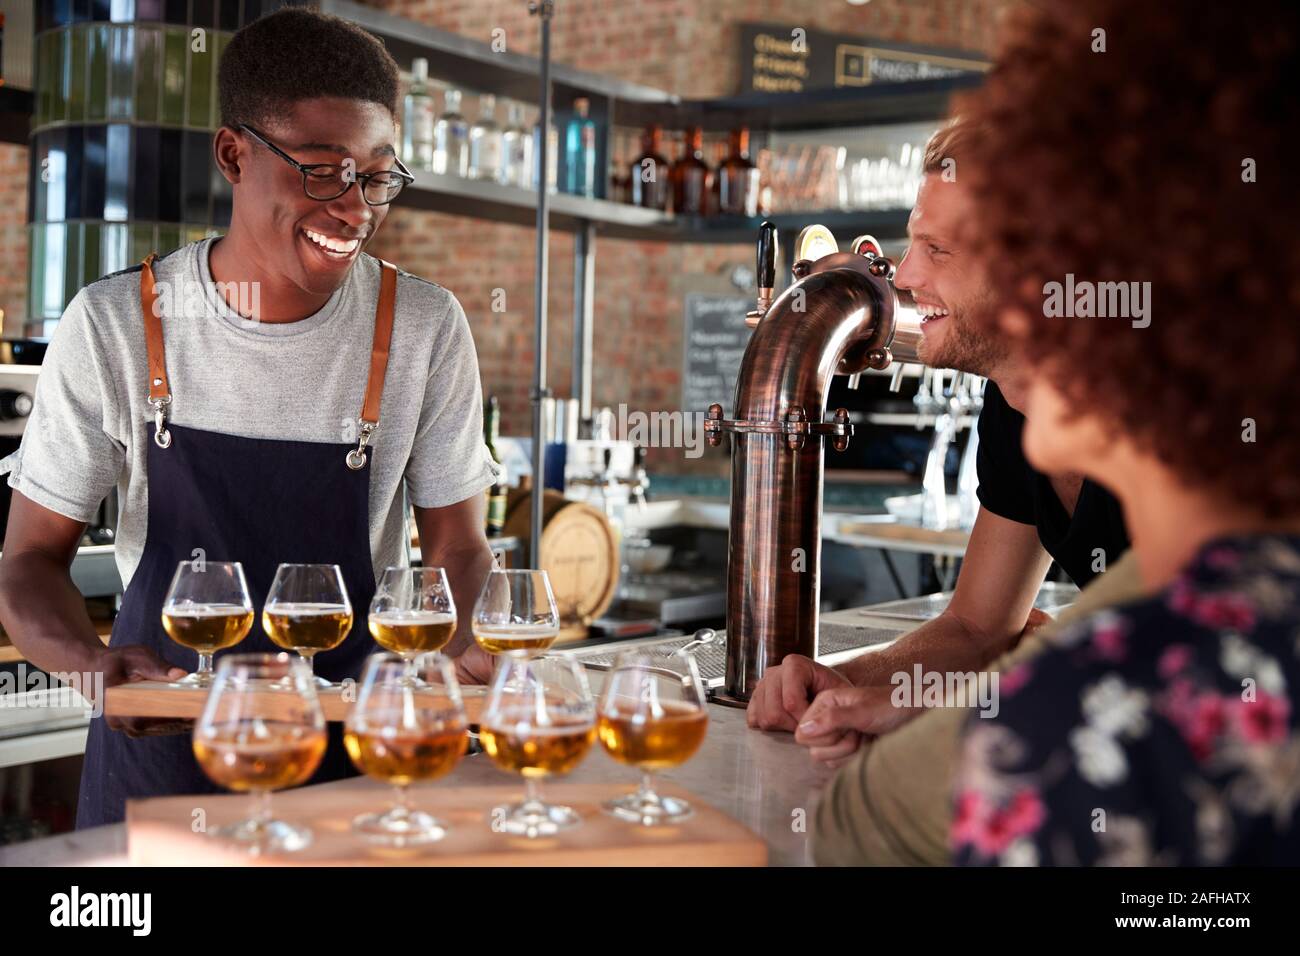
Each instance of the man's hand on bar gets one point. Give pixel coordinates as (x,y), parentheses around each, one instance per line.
(838,721)
(786,691)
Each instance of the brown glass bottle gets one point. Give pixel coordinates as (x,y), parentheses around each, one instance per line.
(651,187)
(691,176)
(738,179)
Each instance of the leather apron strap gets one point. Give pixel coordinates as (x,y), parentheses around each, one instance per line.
(160,396)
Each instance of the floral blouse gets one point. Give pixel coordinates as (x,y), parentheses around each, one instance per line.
(1162,732)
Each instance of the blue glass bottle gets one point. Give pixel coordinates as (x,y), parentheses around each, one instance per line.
(580,151)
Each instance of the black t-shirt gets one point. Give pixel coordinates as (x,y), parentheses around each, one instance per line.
(1011,488)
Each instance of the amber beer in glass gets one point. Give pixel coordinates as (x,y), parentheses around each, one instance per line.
(516,613)
(207,609)
(307,610)
(539,720)
(652,716)
(262,730)
(412,613)
(406,728)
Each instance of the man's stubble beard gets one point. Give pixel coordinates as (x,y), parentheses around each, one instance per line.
(968,349)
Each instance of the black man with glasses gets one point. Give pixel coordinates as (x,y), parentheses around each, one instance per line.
(272,395)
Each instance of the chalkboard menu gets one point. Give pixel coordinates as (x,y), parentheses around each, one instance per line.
(792,59)
(715,340)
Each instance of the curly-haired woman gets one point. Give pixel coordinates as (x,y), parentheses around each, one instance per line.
(1144,152)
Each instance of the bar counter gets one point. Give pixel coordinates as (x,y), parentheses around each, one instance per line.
(764,780)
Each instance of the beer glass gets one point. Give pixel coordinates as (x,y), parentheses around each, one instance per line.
(516,614)
(207,609)
(539,720)
(412,613)
(652,716)
(402,732)
(307,610)
(262,730)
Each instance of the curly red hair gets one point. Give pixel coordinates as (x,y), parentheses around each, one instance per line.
(1135,165)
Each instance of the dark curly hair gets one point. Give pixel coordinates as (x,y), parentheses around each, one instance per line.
(298,53)
(1132,165)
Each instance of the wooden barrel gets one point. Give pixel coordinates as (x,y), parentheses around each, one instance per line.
(579,554)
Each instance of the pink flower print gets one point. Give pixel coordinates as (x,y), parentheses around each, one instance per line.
(1182,599)
(1011,681)
(1223,557)
(1110,640)
(1205,724)
(1174,660)
(990,830)
(1263,720)
(1232,611)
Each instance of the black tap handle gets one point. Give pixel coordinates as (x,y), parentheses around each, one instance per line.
(767,256)
(638,455)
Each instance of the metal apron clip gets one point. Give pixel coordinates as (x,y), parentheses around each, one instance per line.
(161,436)
(356,458)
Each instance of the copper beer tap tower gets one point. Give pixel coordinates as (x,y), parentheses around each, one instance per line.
(841,315)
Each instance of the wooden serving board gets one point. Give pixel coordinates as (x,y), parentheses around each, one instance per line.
(161,699)
(160,833)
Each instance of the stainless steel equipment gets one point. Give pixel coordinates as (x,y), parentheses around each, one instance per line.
(842,315)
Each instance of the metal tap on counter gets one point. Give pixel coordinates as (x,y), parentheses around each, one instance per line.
(841,315)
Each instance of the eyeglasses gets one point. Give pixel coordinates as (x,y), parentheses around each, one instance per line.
(326,181)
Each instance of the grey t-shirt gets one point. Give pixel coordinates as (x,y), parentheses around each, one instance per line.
(298,381)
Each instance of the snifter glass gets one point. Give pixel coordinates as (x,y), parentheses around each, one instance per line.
(412,613)
(207,609)
(515,614)
(652,715)
(539,720)
(307,610)
(262,730)
(403,732)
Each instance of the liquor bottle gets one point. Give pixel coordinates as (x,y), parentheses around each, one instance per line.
(451,138)
(691,176)
(738,178)
(552,154)
(517,150)
(485,141)
(620,184)
(418,118)
(580,151)
(650,183)
(496,495)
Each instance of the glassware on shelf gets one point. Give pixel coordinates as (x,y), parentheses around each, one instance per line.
(207,609)
(418,119)
(538,721)
(620,183)
(517,150)
(552,156)
(486,148)
(412,613)
(262,730)
(738,178)
(516,614)
(651,183)
(580,151)
(451,138)
(402,732)
(691,177)
(307,610)
(653,716)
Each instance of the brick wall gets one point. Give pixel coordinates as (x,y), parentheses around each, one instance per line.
(683,46)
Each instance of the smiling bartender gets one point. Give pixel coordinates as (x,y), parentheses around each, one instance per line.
(243,437)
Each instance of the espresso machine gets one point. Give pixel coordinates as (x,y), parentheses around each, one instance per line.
(841,315)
